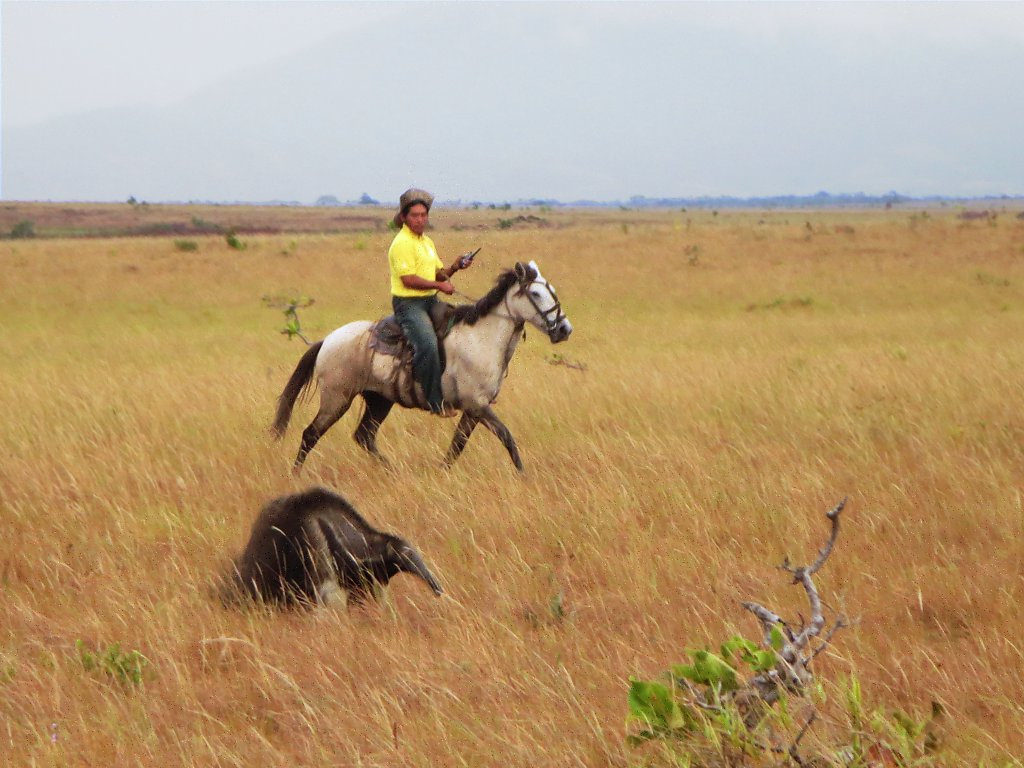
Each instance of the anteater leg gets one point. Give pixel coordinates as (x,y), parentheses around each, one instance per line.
(329,413)
(462,433)
(493,423)
(377,409)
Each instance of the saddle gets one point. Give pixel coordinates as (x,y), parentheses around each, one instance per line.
(387,338)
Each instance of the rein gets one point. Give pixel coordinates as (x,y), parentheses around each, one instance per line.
(550,324)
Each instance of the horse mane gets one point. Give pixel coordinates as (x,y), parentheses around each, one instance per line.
(470,313)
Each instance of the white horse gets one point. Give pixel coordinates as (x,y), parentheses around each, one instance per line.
(482,340)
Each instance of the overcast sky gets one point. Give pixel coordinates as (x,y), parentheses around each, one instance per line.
(291,100)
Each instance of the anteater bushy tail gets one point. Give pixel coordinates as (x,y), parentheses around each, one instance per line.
(301,378)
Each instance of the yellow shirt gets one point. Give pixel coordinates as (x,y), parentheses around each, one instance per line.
(412,254)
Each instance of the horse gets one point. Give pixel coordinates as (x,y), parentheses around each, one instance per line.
(477,349)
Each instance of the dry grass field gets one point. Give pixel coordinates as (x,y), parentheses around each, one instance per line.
(744,372)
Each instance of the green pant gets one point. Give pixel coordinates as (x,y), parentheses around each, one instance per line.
(413,314)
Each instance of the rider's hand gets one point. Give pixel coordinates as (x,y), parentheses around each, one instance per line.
(446,288)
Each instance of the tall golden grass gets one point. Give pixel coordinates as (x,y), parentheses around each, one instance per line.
(744,371)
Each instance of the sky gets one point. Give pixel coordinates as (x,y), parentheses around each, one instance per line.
(260,101)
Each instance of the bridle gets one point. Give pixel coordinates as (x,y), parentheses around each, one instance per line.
(550,323)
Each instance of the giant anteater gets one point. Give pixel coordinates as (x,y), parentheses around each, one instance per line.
(314,548)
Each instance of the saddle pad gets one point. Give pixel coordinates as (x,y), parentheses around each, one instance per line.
(387,338)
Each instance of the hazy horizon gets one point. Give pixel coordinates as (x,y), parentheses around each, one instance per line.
(280,101)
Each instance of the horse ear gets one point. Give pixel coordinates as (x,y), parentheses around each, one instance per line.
(520,271)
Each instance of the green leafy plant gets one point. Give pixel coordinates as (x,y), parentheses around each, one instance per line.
(186,245)
(290,305)
(23,230)
(734,706)
(231,237)
(126,668)
(204,225)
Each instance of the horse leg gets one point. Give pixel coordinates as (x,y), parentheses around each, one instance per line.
(462,433)
(330,411)
(377,409)
(493,423)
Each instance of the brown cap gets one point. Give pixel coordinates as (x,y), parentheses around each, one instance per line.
(409,198)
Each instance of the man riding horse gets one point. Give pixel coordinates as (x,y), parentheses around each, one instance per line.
(352,361)
(417,274)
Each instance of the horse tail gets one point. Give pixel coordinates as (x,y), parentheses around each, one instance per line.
(299,382)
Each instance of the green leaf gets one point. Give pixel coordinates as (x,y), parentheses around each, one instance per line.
(652,703)
(709,669)
(762,661)
(776,637)
(909,726)
(737,643)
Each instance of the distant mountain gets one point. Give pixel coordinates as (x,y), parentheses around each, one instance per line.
(557,101)
(376,109)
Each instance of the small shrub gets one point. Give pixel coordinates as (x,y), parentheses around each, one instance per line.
(124,668)
(186,245)
(231,238)
(290,305)
(505,223)
(23,230)
(204,225)
(782,302)
(986,279)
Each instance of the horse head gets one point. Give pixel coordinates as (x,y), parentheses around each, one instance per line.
(533,300)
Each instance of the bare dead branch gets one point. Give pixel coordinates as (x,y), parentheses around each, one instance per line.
(833,515)
(817,617)
(841,623)
(768,620)
(791,671)
(557,359)
(803,575)
(793,748)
